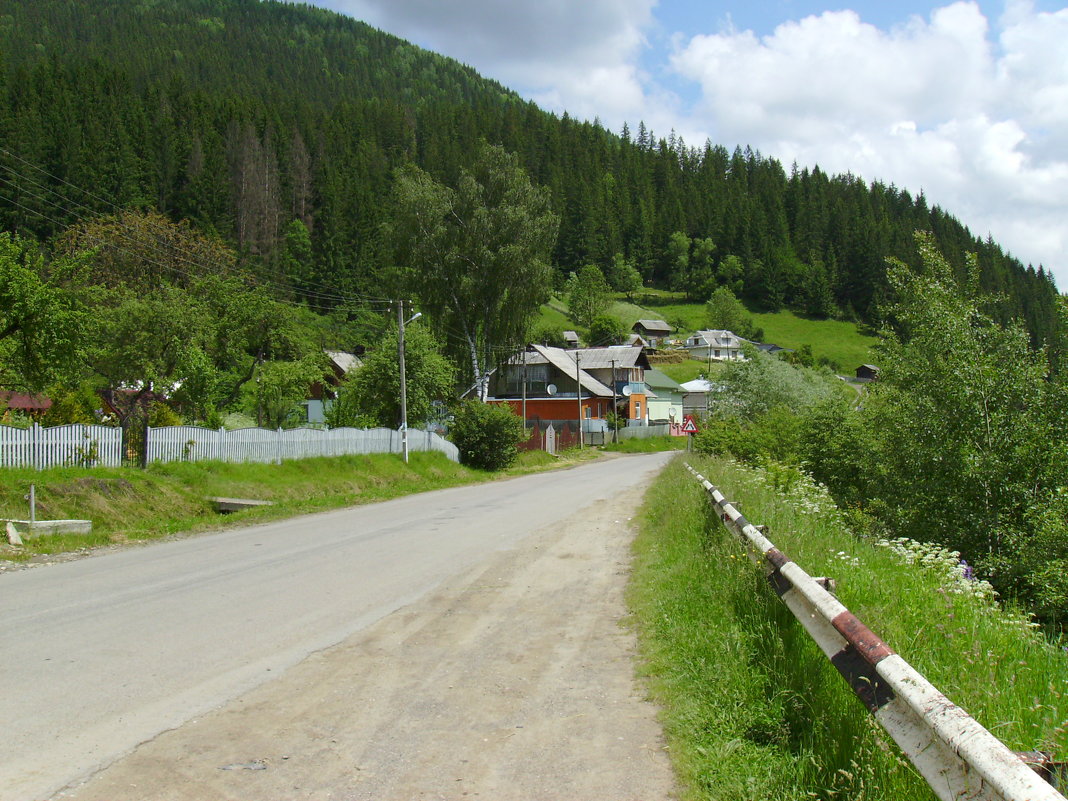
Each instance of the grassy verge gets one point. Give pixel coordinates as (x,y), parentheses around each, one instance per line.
(751,707)
(127,504)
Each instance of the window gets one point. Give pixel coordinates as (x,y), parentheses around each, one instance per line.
(717,353)
(537,379)
(637,410)
(589,412)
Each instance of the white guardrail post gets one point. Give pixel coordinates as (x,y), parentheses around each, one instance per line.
(957,756)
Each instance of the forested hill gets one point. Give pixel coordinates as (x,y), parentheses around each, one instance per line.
(264,121)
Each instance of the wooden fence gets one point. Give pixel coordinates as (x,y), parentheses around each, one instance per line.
(93,446)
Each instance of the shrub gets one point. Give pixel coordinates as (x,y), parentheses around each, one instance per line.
(487,435)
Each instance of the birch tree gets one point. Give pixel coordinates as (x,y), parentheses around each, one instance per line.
(475,256)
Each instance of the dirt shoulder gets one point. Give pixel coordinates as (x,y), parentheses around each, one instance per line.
(514,680)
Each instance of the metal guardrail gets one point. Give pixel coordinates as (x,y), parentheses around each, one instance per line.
(957,756)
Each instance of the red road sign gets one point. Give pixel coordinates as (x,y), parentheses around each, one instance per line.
(688,425)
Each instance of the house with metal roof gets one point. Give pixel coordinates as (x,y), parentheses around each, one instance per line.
(715,345)
(700,397)
(544,384)
(665,402)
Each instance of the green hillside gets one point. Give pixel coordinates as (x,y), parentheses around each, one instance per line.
(839,341)
(249,117)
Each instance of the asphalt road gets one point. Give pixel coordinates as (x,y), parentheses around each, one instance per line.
(101,654)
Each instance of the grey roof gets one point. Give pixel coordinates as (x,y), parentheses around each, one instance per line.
(655,378)
(344,360)
(655,325)
(709,337)
(601,358)
(570,336)
(564,361)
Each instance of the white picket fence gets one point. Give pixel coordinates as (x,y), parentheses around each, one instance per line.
(59,446)
(193,443)
(93,446)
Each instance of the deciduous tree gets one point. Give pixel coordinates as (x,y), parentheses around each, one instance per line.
(588,295)
(475,256)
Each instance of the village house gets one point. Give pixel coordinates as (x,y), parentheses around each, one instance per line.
(655,333)
(547,385)
(322,393)
(715,345)
(29,404)
(665,402)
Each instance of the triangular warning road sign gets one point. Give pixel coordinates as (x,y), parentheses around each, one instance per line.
(688,425)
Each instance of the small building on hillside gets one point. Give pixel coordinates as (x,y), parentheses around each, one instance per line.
(571,339)
(867,372)
(654,332)
(771,348)
(715,345)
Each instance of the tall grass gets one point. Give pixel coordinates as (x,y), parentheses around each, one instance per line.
(752,708)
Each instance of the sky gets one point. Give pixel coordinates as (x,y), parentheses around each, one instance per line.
(964,101)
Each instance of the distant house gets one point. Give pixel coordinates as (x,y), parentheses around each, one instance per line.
(772,348)
(867,372)
(24,403)
(323,392)
(717,345)
(654,332)
(699,397)
(571,339)
(665,404)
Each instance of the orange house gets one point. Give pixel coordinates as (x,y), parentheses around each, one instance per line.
(545,384)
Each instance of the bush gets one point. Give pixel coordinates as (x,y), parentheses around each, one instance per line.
(487,435)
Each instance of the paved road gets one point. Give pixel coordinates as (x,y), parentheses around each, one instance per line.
(101,654)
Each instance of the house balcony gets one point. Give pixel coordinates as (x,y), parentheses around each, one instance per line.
(636,388)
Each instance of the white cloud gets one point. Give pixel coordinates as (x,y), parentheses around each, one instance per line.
(575,56)
(978,123)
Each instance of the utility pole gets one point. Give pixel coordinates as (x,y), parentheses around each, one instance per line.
(403,380)
(615,411)
(578,394)
(401,322)
(526,351)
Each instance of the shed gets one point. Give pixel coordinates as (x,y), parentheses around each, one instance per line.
(868,372)
(652,332)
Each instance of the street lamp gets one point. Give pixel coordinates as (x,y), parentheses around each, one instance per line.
(403,378)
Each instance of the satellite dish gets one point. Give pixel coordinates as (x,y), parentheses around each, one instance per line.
(673,412)
(626,392)
(551,389)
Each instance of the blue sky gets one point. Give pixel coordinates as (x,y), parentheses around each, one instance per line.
(966,101)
